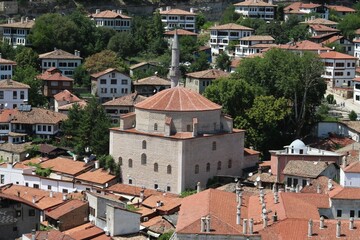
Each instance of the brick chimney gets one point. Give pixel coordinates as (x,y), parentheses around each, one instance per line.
(245,226)
(310,225)
(318,189)
(97,11)
(338,229)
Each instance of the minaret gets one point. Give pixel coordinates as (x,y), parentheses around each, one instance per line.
(174,73)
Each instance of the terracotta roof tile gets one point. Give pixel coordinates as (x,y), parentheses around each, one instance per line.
(54,75)
(65,208)
(50,234)
(5,61)
(99,176)
(37,116)
(311,169)
(336,55)
(106,71)
(152,80)
(6,115)
(65,107)
(66,95)
(321,181)
(345,193)
(133,67)
(58,54)
(235,62)
(341,8)
(85,231)
(158,224)
(258,38)
(254,3)
(134,191)
(332,39)
(231,26)
(11,84)
(305,45)
(25,24)
(176,12)
(320,21)
(109,14)
(169,202)
(296,6)
(178,99)
(180,32)
(18,199)
(15,148)
(127,100)
(208,74)
(265,177)
(323,28)
(353,167)
(249,151)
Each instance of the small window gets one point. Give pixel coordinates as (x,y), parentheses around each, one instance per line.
(65,190)
(120,161)
(124,82)
(156,167)
(130,181)
(2,178)
(15,229)
(338,213)
(35,185)
(102,81)
(301,151)
(130,163)
(214,146)
(26,184)
(155,127)
(168,189)
(304,183)
(143,159)
(168,169)
(49,187)
(156,186)
(31,212)
(208,167)
(219,165)
(352,213)
(358,214)
(144,144)
(230,163)
(113,81)
(196,169)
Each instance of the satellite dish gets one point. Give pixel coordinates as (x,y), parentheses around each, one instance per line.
(250,174)
(258,178)
(255,184)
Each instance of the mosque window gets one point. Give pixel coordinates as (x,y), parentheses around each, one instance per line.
(143,159)
(208,167)
(168,170)
(130,163)
(214,146)
(144,144)
(155,127)
(156,167)
(230,163)
(219,165)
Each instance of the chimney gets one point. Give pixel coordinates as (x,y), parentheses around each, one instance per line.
(245,226)
(51,194)
(22,19)
(351,223)
(251,226)
(312,17)
(208,224)
(276,198)
(192,10)
(265,222)
(318,189)
(33,234)
(198,187)
(297,188)
(64,197)
(322,223)
(259,170)
(275,217)
(97,11)
(168,8)
(310,231)
(240,198)
(26,19)
(18,193)
(34,199)
(203,220)
(119,11)
(8,81)
(96,164)
(238,215)
(237,190)
(158,204)
(142,195)
(338,229)
(344,161)
(330,185)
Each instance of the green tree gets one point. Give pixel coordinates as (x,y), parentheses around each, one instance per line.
(188,45)
(122,43)
(102,36)
(229,15)
(28,75)
(200,63)
(7,51)
(352,116)
(349,24)
(157,44)
(26,57)
(200,20)
(223,61)
(104,60)
(82,77)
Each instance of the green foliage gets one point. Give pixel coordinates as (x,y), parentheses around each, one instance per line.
(352,116)
(200,63)
(43,172)
(104,60)
(166,236)
(122,43)
(132,208)
(349,24)
(188,45)
(223,61)
(7,51)
(200,20)
(187,193)
(27,75)
(229,15)
(26,57)
(337,47)
(82,77)
(212,181)
(32,150)
(330,99)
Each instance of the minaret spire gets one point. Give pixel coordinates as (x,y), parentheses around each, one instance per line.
(174,73)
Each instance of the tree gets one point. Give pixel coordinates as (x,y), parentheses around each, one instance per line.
(229,15)
(28,75)
(349,24)
(26,57)
(223,61)
(188,45)
(122,43)
(352,116)
(104,60)
(157,44)
(200,63)
(82,77)
(200,20)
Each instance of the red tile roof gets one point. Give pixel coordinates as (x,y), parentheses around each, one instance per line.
(85,231)
(320,21)
(249,151)
(37,116)
(52,74)
(25,24)
(109,14)
(5,61)
(106,71)
(134,191)
(152,81)
(66,107)
(65,208)
(59,54)
(296,6)
(305,45)
(169,202)
(323,28)
(178,99)
(50,234)
(11,84)
(66,96)
(353,167)
(255,3)
(127,100)
(176,12)
(98,176)
(158,225)
(180,32)
(332,39)
(231,26)
(345,193)
(341,8)
(336,55)
(6,115)
(208,74)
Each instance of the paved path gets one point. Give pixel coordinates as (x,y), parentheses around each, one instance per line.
(349,103)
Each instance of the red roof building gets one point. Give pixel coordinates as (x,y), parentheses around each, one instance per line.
(54,82)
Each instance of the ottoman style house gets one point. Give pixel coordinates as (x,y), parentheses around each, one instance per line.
(176,139)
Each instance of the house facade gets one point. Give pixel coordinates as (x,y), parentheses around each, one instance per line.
(150,85)
(16,33)
(253,44)
(13,94)
(177,18)
(110,84)
(300,10)
(112,19)
(6,68)
(221,36)
(63,98)
(256,9)
(198,81)
(62,60)
(55,82)
(339,69)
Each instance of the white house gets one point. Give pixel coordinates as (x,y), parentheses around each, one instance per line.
(253,44)
(13,173)
(339,69)
(13,94)
(300,10)
(64,61)
(350,174)
(347,45)
(16,33)
(177,18)
(356,42)
(256,9)
(221,36)
(110,84)
(6,68)
(112,19)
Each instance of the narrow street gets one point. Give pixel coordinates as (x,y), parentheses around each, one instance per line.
(349,104)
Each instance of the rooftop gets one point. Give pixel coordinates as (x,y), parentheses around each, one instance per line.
(176,12)
(68,106)
(254,3)
(258,38)
(109,14)
(50,234)
(306,169)
(168,202)
(85,231)
(178,99)
(102,73)
(152,80)
(67,96)
(180,32)
(22,24)
(59,54)
(52,74)
(321,21)
(230,26)
(304,45)
(15,148)
(338,8)
(37,116)
(65,208)
(208,74)
(296,6)
(133,190)
(336,55)
(323,28)
(127,100)
(11,84)
(98,176)
(135,66)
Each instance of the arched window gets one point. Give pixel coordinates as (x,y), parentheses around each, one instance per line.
(219,165)
(130,163)
(144,144)
(208,167)
(156,167)
(214,146)
(168,169)
(230,163)
(120,161)
(143,159)
(196,169)
(155,127)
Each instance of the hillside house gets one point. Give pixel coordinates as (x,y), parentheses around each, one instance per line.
(177,18)
(16,33)
(112,19)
